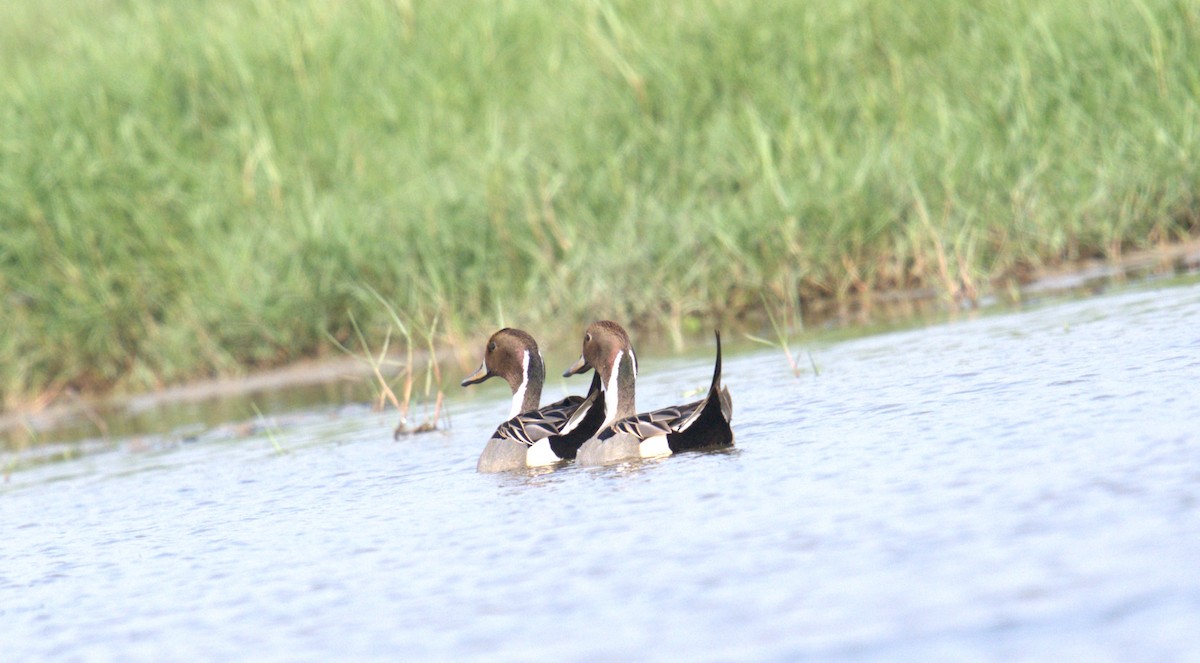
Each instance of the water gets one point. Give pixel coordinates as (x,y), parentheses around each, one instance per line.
(1011,487)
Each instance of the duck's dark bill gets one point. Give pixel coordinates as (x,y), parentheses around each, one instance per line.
(580,366)
(478,376)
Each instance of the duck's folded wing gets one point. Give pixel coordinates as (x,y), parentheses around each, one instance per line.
(526,428)
(658,422)
(529,427)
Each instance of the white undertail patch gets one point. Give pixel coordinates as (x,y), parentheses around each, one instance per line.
(654,447)
(519,395)
(540,454)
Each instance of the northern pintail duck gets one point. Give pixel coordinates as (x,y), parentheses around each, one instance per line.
(625,434)
(532,436)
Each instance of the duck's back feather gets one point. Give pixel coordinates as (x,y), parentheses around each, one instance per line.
(659,422)
(530,427)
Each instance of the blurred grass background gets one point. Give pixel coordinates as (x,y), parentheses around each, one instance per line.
(190,189)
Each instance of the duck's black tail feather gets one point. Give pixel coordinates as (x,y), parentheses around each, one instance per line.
(718,397)
(716,381)
(595,383)
(716,392)
(709,427)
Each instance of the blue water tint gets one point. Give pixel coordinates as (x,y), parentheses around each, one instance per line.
(1019,486)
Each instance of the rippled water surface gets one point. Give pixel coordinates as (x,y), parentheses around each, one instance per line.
(1016,486)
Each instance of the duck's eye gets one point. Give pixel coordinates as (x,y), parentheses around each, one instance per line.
(587,338)
(492,346)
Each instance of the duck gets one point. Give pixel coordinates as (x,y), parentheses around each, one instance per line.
(624,434)
(532,436)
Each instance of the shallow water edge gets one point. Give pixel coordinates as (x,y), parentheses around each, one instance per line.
(347,379)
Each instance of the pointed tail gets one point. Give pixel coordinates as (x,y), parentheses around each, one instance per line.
(718,392)
(710,418)
(716,381)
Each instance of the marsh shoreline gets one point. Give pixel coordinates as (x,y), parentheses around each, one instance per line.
(893,306)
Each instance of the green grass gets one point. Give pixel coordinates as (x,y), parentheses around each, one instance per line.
(192,188)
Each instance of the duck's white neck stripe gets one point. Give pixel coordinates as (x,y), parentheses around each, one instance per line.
(519,395)
(610,389)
